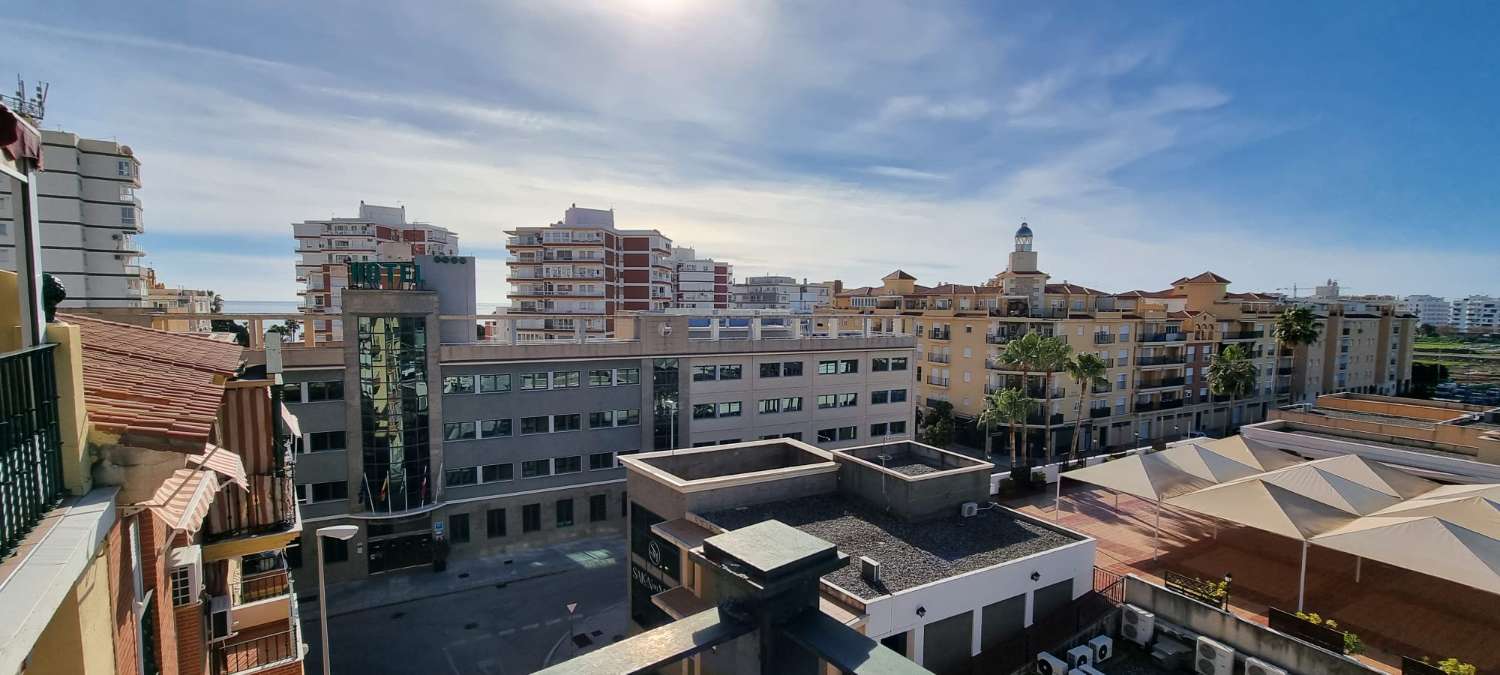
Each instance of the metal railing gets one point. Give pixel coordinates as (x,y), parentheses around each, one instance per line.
(1104,338)
(1096,413)
(1163,382)
(1207,592)
(1243,335)
(940,335)
(391,276)
(255,653)
(1149,406)
(30,442)
(939,358)
(938,381)
(260,587)
(1163,337)
(1159,360)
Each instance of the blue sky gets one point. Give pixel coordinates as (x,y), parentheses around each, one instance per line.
(1274,143)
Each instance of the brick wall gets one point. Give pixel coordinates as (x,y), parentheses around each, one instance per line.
(121,601)
(191,658)
(154,535)
(293,668)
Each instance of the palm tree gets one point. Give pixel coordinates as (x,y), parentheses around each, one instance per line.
(1088,371)
(1294,326)
(1010,406)
(991,416)
(1025,354)
(1054,358)
(1232,374)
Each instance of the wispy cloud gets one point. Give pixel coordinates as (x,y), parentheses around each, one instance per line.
(904,173)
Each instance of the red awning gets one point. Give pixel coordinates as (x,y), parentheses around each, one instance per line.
(19,138)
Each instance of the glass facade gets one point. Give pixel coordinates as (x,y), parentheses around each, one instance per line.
(664,399)
(393,412)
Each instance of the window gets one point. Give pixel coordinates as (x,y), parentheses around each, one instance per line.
(458,384)
(182,586)
(572,422)
(535,425)
(838,400)
(533,381)
(839,434)
(330,390)
(494,428)
(828,367)
(598,508)
(770,406)
(880,364)
(531,517)
(599,461)
(770,370)
(567,464)
(729,372)
(536,468)
(627,418)
(729,409)
(791,369)
(825,400)
(827,435)
(458,431)
(879,429)
(601,378)
(898,395)
(494,523)
(880,396)
(703,411)
(313,493)
(848,366)
(122,168)
(494,473)
(565,513)
(705,373)
(458,528)
(898,427)
(627,376)
(335,550)
(602,418)
(468,475)
(323,441)
(494,384)
(565,379)
(127,215)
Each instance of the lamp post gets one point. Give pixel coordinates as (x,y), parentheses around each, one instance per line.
(341,533)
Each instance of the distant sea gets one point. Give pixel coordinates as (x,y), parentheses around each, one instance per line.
(290,307)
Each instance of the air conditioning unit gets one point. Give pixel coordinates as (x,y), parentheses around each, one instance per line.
(1137,625)
(1103,646)
(219,625)
(1254,666)
(1213,658)
(1080,656)
(1047,664)
(969,509)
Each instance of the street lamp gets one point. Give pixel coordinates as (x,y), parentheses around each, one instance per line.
(341,533)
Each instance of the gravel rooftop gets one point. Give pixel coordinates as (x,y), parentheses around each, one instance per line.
(911,554)
(910,465)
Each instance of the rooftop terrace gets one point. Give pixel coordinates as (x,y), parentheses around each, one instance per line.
(911,553)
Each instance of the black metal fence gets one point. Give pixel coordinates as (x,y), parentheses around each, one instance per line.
(1297,627)
(242,655)
(1411,666)
(1207,592)
(30,442)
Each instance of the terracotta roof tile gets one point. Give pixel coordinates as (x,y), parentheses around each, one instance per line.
(1074,289)
(154,388)
(1204,278)
(899,274)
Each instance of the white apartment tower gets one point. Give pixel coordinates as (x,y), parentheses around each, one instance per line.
(1476,314)
(89,215)
(782,293)
(702,283)
(1428,309)
(378,234)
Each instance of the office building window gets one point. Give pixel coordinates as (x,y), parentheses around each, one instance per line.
(705,373)
(627,376)
(313,493)
(770,406)
(791,369)
(770,369)
(565,379)
(729,372)
(567,464)
(572,422)
(458,528)
(533,381)
(601,378)
(494,384)
(458,431)
(837,434)
(535,425)
(330,390)
(494,473)
(494,523)
(703,411)
(729,409)
(531,517)
(334,550)
(458,384)
(883,364)
(536,468)
(878,429)
(323,441)
(598,508)
(494,428)
(468,475)
(599,461)
(565,513)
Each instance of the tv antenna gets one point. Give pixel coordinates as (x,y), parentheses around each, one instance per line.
(33,106)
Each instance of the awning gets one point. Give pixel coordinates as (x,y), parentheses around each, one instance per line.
(292,428)
(1148,476)
(1250,453)
(1431,544)
(223,462)
(184,499)
(18,138)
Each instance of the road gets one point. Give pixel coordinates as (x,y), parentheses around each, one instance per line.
(488,630)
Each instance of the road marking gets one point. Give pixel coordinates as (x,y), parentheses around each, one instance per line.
(451,664)
(530,626)
(505,632)
(554,622)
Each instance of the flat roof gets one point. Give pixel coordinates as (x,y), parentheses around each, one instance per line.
(910,554)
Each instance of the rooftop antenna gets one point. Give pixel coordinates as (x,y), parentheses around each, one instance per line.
(33,106)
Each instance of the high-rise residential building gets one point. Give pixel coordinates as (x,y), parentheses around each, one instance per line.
(1429,310)
(1476,314)
(516,444)
(581,270)
(701,283)
(89,214)
(167,300)
(782,293)
(377,234)
(1157,346)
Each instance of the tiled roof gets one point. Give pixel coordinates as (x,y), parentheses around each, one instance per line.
(1204,278)
(899,274)
(1169,293)
(956,289)
(1073,288)
(154,388)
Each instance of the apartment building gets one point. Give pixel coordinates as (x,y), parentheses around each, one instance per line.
(166,300)
(377,234)
(1476,314)
(517,445)
(701,283)
(782,293)
(90,214)
(581,270)
(1157,346)
(933,577)
(1430,310)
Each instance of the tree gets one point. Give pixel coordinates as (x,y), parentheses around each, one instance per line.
(1232,374)
(1088,371)
(1427,330)
(1295,326)
(938,431)
(1026,354)
(1012,406)
(1054,358)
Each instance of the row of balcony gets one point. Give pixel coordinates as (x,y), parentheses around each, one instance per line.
(1149,406)
(1031,392)
(1243,335)
(1163,337)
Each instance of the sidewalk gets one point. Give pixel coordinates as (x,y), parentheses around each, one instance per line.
(590,631)
(463,574)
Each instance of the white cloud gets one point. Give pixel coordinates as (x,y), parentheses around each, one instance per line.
(904,173)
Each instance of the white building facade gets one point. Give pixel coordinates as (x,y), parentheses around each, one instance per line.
(782,293)
(702,283)
(89,215)
(1429,309)
(1476,314)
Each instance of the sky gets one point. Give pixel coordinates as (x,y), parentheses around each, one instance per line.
(1277,144)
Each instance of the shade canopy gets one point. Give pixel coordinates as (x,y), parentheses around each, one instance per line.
(1430,544)
(1252,454)
(1149,476)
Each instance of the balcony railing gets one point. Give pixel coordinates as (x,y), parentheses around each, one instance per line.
(939,334)
(1163,382)
(939,358)
(397,276)
(1096,413)
(1102,390)
(1148,406)
(1104,338)
(1163,337)
(30,442)
(937,381)
(261,587)
(1159,360)
(1243,335)
(240,655)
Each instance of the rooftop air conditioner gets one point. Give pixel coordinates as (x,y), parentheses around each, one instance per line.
(1137,625)
(1047,664)
(1213,658)
(1080,656)
(969,509)
(1103,646)
(1255,666)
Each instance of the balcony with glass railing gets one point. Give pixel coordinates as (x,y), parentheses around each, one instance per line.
(1160,360)
(389,276)
(1242,335)
(1158,337)
(1152,384)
